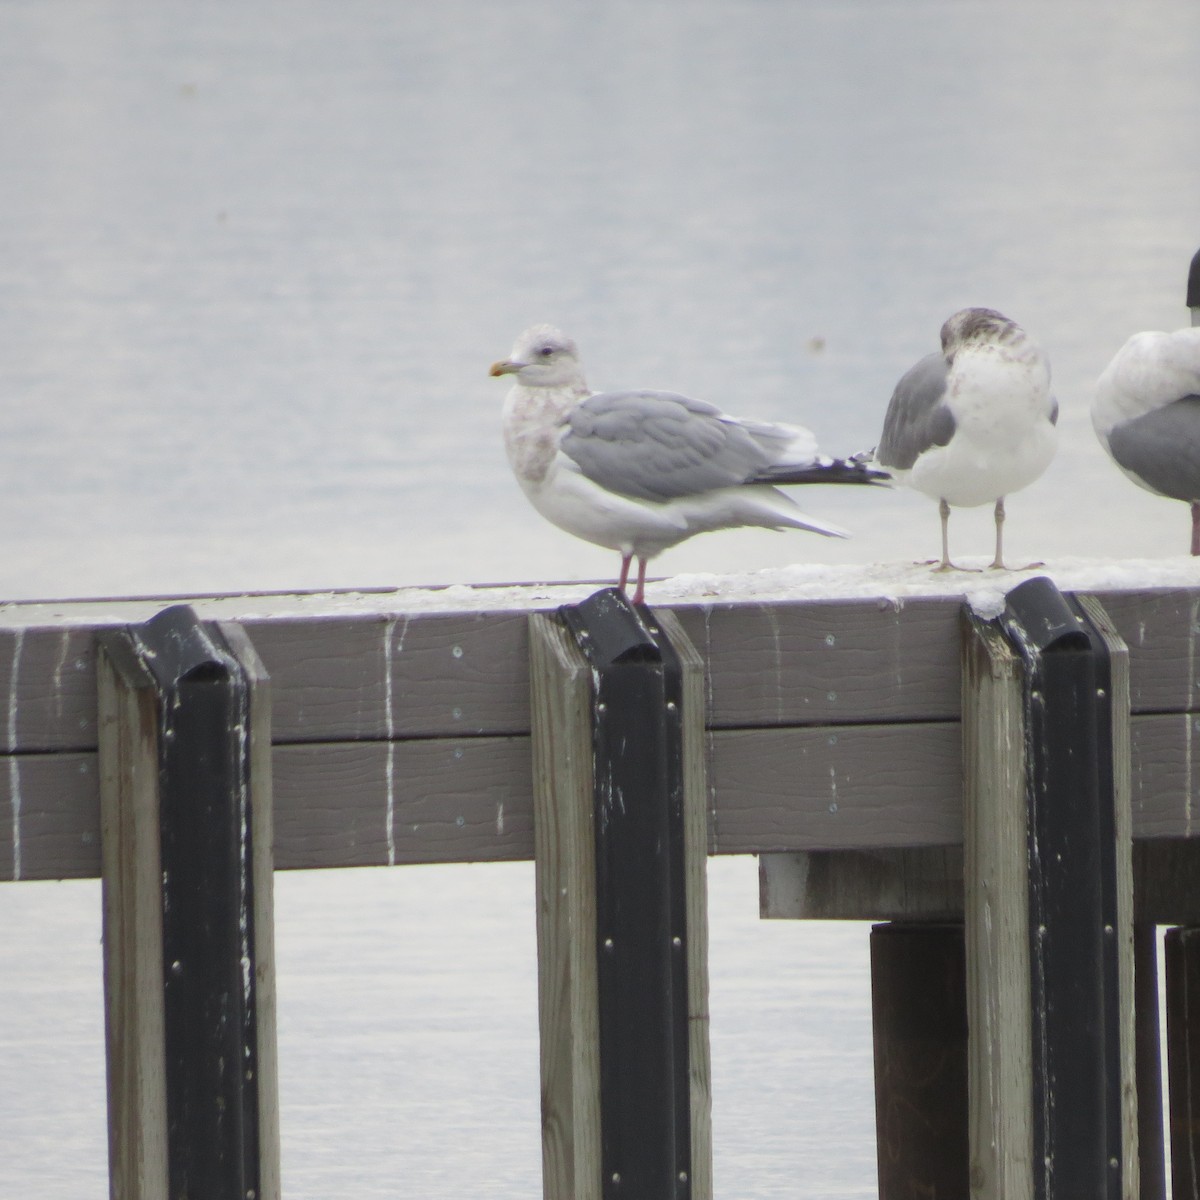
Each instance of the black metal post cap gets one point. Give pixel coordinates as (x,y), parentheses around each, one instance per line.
(1037,614)
(616,631)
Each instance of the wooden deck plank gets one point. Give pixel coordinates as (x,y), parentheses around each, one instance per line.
(469,799)
(375,675)
(828,661)
(835,788)
(452,800)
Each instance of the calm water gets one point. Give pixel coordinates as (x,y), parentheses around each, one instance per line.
(254,263)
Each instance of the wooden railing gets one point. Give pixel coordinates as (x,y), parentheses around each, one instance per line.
(404,737)
(832,742)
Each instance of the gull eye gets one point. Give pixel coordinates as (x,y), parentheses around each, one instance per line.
(546,351)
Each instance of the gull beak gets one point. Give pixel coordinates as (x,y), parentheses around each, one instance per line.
(507,367)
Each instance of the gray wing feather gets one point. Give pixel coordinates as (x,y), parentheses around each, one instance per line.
(1162,448)
(917,417)
(660,446)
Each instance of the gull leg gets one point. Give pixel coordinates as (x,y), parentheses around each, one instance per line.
(998,561)
(944,513)
(946,564)
(626,559)
(639,596)
(1195,527)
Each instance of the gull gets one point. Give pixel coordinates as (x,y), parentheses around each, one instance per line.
(1146,409)
(973,423)
(639,471)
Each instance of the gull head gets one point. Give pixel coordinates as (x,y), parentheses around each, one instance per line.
(543,357)
(978,327)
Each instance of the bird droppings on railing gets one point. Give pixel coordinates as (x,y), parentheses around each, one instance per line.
(892,584)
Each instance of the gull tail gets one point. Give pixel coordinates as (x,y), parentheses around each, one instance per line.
(856,469)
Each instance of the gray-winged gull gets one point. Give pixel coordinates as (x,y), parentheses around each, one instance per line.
(973,423)
(1146,410)
(639,471)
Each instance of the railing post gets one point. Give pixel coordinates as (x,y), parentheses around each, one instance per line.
(620,826)
(184,713)
(919,1026)
(1049,902)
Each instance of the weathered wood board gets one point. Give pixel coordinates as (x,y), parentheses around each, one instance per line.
(834,725)
(469,799)
(341,676)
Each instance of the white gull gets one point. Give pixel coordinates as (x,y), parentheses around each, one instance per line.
(973,423)
(1146,409)
(639,471)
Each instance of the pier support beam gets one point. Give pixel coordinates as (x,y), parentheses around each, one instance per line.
(919,1011)
(620,827)
(184,744)
(1182,954)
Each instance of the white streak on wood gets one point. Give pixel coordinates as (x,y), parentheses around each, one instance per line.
(64,645)
(777,658)
(14,763)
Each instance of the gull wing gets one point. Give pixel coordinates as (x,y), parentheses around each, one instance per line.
(662,446)
(917,417)
(1162,449)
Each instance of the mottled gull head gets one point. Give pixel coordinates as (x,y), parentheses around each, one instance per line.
(543,357)
(978,326)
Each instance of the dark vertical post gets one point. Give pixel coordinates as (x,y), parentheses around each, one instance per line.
(919,1014)
(641,931)
(177,794)
(1152,1169)
(1077,1145)
(1182,955)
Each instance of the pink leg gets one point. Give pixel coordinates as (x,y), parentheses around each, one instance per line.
(1195,527)
(625,561)
(639,596)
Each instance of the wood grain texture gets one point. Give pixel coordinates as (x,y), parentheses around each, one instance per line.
(129,762)
(855,786)
(470,799)
(372,676)
(452,800)
(995,866)
(1160,627)
(828,661)
(132,902)
(923,883)
(568,1004)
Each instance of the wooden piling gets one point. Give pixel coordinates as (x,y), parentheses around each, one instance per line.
(191,1042)
(919,1021)
(561,693)
(1000,1070)
(1053,1091)
(1148,1052)
(1182,955)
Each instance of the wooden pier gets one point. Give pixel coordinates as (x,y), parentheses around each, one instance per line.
(828,737)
